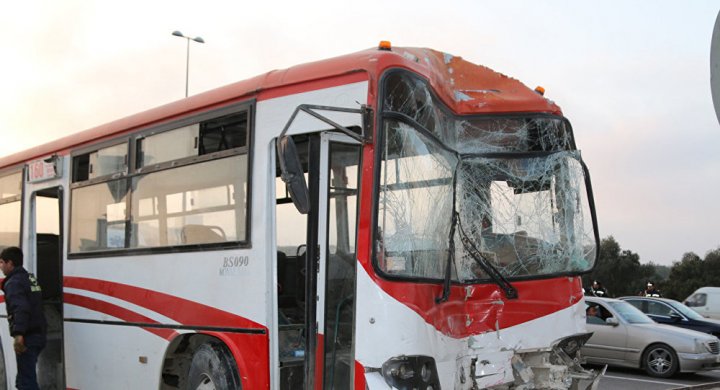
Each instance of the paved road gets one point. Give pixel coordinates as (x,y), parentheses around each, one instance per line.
(622,379)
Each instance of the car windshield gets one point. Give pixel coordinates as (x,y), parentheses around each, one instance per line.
(686,311)
(630,313)
(507,191)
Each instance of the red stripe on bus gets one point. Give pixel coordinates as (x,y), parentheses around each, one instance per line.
(117,312)
(320,361)
(184,311)
(249,350)
(482,307)
(359,376)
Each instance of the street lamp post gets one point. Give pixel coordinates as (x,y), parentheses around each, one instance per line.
(187,57)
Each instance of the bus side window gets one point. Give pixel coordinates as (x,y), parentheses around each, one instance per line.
(185,185)
(227,132)
(201,203)
(98,216)
(10,208)
(215,135)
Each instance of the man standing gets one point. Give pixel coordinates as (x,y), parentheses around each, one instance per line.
(23,299)
(651,291)
(598,290)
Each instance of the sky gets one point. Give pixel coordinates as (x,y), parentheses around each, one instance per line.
(632,76)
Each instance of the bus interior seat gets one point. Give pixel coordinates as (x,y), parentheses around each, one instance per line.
(291,291)
(202,234)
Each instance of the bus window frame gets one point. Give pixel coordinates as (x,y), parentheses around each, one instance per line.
(132,171)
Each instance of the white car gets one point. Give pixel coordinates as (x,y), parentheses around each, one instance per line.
(625,336)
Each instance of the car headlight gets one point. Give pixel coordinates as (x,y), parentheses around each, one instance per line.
(702,346)
(411,372)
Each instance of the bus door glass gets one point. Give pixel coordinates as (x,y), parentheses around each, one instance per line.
(337,271)
(46,228)
(317,281)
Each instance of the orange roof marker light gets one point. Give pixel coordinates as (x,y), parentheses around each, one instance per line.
(385,45)
(540,90)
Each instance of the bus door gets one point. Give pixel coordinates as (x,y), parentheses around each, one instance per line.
(46,232)
(316,276)
(337,269)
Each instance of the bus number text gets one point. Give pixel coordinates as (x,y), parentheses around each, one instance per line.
(232,264)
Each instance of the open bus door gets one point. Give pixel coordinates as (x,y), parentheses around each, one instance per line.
(316,278)
(46,232)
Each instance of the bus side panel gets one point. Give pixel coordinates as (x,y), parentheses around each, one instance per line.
(6,343)
(112,357)
(181,290)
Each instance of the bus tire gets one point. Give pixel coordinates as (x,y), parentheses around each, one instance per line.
(213,367)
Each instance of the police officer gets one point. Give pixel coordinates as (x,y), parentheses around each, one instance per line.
(23,299)
(651,291)
(598,290)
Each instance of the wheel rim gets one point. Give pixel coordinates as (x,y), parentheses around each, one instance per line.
(660,360)
(206,383)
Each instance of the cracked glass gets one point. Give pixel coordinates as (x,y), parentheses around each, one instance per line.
(513,187)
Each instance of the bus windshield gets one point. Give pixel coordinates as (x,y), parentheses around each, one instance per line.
(513,189)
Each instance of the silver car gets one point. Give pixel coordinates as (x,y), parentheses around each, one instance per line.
(625,336)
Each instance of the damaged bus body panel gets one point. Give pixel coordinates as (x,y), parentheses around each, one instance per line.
(497,209)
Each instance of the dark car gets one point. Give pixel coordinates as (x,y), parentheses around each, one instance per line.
(671,312)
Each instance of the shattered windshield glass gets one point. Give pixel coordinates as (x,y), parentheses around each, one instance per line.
(515,186)
(415,203)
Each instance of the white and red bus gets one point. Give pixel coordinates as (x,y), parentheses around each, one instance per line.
(393,218)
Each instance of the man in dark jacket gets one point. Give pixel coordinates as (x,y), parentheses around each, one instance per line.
(23,299)
(651,291)
(598,290)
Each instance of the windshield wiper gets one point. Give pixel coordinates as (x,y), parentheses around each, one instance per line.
(493,273)
(451,242)
(482,261)
(448,266)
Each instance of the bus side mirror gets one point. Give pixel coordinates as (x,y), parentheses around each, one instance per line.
(292,174)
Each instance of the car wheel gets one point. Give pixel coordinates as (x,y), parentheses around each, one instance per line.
(659,360)
(213,368)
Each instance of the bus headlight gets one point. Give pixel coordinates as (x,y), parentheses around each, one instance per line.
(411,372)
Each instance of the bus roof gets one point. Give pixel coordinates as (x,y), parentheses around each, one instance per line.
(465,87)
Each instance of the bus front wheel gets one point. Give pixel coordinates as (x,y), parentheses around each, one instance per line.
(213,368)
